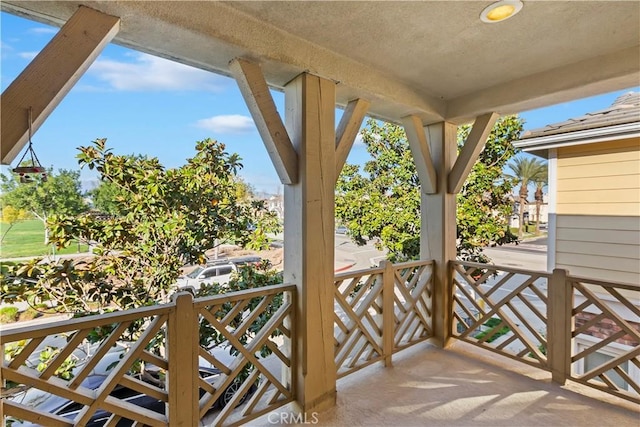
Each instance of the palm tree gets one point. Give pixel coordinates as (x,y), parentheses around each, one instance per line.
(541,182)
(526,170)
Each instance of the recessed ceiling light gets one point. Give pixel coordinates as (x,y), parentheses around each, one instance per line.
(500,11)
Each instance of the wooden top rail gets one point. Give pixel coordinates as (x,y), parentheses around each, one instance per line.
(409,264)
(356,273)
(61,326)
(241,295)
(502,268)
(607,284)
(379,270)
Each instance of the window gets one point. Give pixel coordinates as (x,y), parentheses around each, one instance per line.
(596,359)
(602,356)
(209,273)
(224,270)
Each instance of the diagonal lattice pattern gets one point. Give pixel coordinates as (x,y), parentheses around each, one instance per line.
(606,335)
(501,309)
(252,366)
(413,299)
(256,329)
(364,333)
(358,320)
(35,357)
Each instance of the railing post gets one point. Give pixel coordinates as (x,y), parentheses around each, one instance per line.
(182,378)
(388,314)
(559,317)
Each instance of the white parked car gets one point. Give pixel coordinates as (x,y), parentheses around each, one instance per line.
(217,273)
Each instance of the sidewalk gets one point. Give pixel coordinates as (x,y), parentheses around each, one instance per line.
(48,257)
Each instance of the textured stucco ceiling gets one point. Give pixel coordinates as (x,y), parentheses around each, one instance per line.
(431,58)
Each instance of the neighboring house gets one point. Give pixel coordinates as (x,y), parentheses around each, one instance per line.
(276,204)
(594,215)
(594,191)
(544,210)
(530,212)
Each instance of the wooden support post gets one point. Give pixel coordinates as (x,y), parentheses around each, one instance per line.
(559,320)
(472,147)
(348,130)
(51,75)
(309,236)
(438,228)
(182,378)
(388,315)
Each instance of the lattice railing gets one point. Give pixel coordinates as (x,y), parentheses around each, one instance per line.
(501,309)
(260,363)
(606,336)
(251,367)
(364,333)
(114,363)
(413,293)
(358,319)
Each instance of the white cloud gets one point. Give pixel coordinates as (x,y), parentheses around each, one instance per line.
(151,73)
(233,123)
(43,30)
(27,55)
(358,140)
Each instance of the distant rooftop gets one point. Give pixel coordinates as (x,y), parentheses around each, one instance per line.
(625,109)
(620,120)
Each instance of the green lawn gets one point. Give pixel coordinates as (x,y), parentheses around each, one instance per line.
(26,239)
(492,323)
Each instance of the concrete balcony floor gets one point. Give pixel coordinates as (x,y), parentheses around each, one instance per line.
(464,386)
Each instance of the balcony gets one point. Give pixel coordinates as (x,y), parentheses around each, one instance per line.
(547,329)
(463,386)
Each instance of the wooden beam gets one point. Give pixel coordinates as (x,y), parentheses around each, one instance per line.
(309,237)
(472,147)
(51,75)
(419,145)
(256,94)
(438,229)
(348,130)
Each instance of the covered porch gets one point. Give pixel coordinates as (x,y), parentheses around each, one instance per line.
(462,386)
(429,66)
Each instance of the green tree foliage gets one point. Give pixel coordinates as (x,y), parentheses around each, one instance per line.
(160,220)
(383,202)
(59,194)
(104,197)
(165,218)
(10,217)
(526,170)
(484,204)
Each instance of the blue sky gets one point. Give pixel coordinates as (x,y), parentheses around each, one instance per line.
(147,105)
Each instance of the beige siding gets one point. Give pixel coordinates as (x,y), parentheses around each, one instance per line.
(600,249)
(628,168)
(599,179)
(617,223)
(598,210)
(605,262)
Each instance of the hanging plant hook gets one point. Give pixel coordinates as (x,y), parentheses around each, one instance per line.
(25,172)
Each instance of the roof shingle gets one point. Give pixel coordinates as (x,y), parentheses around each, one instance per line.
(625,109)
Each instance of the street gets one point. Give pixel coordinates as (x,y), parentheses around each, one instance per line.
(349,256)
(529,255)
